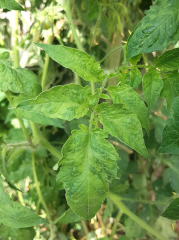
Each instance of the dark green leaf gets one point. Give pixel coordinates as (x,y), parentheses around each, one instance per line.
(156,30)
(87,161)
(169,61)
(10,4)
(152,86)
(172,211)
(123,124)
(79,62)
(93,10)
(125,94)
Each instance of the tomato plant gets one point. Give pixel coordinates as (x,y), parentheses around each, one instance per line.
(91,150)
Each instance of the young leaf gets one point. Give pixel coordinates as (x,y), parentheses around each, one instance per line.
(79,62)
(170,138)
(172,211)
(170,87)
(17,80)
(14,214)
(156,30)
(10,4)
(123,124)
(66,102)
(135,77)
(152,85)
(125,94)
(169,61)
(87,161)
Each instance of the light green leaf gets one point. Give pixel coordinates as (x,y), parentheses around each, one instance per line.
(7,232)
(68,217)
(66,102)
(172,211)
(152,85)
(136,77)
(14,214)
(123,124)
(170,138)
(87,161)
(170,88)
(10,4)
(79,62)
(156,30)
(169,61)
(17,80)
(125,94)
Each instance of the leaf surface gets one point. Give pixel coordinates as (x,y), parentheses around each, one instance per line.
(14,214)
(87,161)
(79,62)
(10,4)
(156,30)
(17,80)
(66,102)
(170,136)
(68,217)
(169,61)
(170,87)
(172,211)
(152,86)
(125,94)
(7,232)
(123,124)
(135,77)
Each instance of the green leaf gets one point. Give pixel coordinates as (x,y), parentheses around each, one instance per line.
(132,229)
(17,80)
(66,102)
(135,77)
(152,86)
(87,161)
(14,214)
(7,232)
(123,124)
(10,4)
(156,30)
(169,61)
(68,217)
(170,87)
(172,211)
(93,12)
(125,94)
(79,62)
(170,137)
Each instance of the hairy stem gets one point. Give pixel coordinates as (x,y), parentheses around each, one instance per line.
(115,224)
(117,200)
(114,50)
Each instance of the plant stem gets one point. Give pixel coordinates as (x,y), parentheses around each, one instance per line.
(84,227)
(15,42)
(114,50)
(115,224)
(47,58)
(117,200)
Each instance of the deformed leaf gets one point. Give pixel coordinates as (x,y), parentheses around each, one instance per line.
(14,214)
(123,124)
(10,4)
(152,85)
(169,61)
(79,62)
(170,136)
(170,87)
(87,161)
(156,30)
(125,94)
(66,102)
(172,211)
(17,80)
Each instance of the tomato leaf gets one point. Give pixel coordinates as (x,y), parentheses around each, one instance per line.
(10,4)
(172,211)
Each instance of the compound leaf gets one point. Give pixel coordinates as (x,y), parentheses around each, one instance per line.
(66,102)
(123,124)
(10,4)
(125,94)
(169,61)
(170,136)
(17,80)
(172,211)
(87,161)
(79,62)
(152,86)
(14,214)
(170,87)
(156,30)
